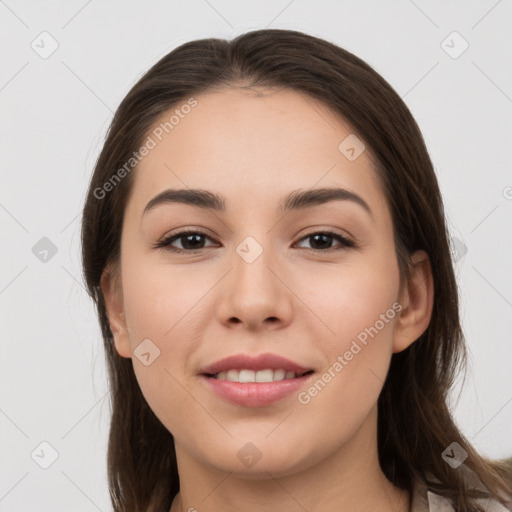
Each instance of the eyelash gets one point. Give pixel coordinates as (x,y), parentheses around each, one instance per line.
(165,242)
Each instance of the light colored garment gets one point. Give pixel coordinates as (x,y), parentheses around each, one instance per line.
(424,500)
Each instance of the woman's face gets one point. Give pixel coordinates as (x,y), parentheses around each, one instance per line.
(259,282)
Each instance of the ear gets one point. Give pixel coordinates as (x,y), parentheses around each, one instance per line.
(112,293)
(417,300)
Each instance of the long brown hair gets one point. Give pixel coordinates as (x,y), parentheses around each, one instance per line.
(414,421)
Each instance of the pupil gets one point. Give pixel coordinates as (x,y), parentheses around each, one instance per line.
(315,237)
(187,244)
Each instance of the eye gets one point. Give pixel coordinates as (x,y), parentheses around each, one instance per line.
(324,238)
(191,241)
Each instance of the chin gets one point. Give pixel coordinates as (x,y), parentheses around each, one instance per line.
(250,462)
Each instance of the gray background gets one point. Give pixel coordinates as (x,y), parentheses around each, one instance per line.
(55,114)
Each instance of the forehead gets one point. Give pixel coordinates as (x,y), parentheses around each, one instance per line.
(262,141)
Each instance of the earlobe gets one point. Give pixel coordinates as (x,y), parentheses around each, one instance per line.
(112,294)
(417,300)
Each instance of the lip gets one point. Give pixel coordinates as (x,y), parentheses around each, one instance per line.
(256,363)
(255,394)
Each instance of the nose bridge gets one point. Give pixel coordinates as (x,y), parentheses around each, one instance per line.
(254,257)
(256,244)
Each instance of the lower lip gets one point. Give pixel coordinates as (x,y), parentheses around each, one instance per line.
(255,394)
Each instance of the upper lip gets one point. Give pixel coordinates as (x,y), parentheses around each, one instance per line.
(247,362)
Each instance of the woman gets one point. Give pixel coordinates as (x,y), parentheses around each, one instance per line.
(248,369)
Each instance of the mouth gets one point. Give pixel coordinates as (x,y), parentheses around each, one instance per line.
(261,376)
(250,368)
(249,388)
(255,381)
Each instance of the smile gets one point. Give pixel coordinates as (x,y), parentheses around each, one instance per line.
(267,375)
(252,393)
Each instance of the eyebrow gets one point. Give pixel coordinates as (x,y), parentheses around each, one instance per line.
(295,200)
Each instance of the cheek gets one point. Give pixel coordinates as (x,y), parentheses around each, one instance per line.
(350,298)
(160,298)
(162,305)
(358,305)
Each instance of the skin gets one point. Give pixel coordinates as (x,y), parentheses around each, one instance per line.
(305,303)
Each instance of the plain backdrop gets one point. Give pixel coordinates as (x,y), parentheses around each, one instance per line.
(55,111)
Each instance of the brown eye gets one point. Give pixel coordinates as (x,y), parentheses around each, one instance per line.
(191,241)
(322,240)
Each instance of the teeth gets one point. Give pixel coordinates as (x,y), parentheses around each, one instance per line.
(247,376)
(279,374)
(232,375)
(264,376)
(268,375)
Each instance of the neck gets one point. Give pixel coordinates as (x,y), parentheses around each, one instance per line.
(348,479)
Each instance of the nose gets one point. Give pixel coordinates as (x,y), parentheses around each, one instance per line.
(255,293)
